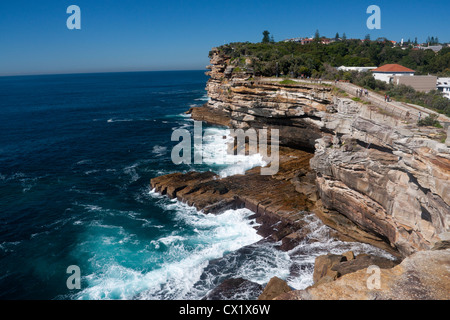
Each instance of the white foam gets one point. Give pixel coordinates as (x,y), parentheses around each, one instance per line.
(85,161)
(184,115)
(155,195)
(215,152)
(167,241)
(303,256)
(203,98)
(91,172)
(159,150)
(131,171)
(186,255)
(119,120)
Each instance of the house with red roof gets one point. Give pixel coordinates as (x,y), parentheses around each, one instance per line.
(387,72)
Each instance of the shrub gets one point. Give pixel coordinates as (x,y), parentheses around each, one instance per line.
(287,81)
(430,121)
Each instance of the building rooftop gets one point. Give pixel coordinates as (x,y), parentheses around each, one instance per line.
(392,68)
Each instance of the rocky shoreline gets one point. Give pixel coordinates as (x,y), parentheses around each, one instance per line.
(370,177)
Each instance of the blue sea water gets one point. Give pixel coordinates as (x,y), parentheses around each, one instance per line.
(77,153)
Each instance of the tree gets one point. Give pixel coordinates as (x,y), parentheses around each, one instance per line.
(272,40)
(367,37)
(415,41)
(344,37)
(336,37)
(266,38)
(317,36)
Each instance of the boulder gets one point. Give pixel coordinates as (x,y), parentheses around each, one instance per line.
(349,255)
(423,275)
(361,262)
(274,288)
(323,267)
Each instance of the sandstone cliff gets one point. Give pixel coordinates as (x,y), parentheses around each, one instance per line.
(422,276)
(389,177)
(369,175)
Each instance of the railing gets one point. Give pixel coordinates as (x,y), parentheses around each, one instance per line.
(397,110)
(384,107)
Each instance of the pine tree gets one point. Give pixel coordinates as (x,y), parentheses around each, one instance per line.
(336,37)
(266,38)
(344,36)
(317,35)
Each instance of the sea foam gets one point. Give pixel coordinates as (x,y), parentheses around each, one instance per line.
(183,255)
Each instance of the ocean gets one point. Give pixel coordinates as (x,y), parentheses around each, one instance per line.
(77,153)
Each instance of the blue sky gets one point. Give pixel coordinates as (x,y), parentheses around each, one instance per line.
(139,35)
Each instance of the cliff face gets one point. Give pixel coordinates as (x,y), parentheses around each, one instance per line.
(390,178)
(256,104)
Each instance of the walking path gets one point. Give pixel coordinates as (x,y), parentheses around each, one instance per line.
(401,110)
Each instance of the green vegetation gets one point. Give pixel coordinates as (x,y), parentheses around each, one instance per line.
(432,41)
(317,60)
(430,121)
(432,100)
(287,81)
(295,59)
(266,38)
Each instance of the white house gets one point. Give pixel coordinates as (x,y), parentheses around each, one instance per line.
(434,48)
(443,85)
(359,69)
(387,72)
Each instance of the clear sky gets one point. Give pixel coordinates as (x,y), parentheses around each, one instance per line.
(141,35)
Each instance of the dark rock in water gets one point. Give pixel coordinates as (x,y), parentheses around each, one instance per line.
(234,289)
(211,116)
(279,208)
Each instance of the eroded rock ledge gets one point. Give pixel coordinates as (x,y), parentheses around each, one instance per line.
(370,176)
(278,207)
(388,176)
(421,276)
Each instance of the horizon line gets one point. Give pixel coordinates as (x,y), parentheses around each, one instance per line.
(94,72)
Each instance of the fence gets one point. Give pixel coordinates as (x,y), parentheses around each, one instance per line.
(383,107)
(394,109)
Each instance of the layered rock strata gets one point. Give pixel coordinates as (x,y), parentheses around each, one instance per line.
(389,177)
(278,207)
(368,175)
(422,276)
